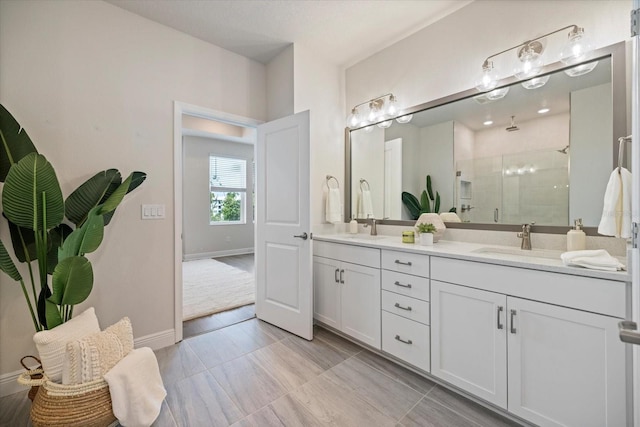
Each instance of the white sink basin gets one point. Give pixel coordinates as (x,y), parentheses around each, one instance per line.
(534,253)
(365,237)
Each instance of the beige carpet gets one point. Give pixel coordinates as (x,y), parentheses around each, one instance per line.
(210,286)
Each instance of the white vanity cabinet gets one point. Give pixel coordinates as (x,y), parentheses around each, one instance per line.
(406,307)
(346,282)
(549,361)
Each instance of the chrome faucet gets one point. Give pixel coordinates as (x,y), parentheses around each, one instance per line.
(525,235)
(374,230)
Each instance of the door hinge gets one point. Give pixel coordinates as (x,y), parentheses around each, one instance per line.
(634,235)
(635,15)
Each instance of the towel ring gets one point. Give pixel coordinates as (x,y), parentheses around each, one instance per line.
(364,181)
(621,147)
(330,177)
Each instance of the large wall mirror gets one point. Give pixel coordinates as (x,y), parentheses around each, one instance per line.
(536,152)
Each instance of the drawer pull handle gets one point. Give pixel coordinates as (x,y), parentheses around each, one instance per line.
(401,340)
(500,325)
(403,263)
(341,276)
(335,275)
(408,308)
(513,328)
(408,285)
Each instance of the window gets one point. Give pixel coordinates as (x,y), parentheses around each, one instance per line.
(227,190)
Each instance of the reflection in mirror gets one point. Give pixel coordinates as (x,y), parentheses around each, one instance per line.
(538,151)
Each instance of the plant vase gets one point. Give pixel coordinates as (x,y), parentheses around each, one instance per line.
(426,239)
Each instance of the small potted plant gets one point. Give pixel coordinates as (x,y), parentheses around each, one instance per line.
(426,230)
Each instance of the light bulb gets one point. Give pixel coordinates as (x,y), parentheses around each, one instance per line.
(392,107)
(375,112)
(488,80)
(576,48)
(496,94)
(354,119)
(404,119)
(535,83)
(385,124)
(531,63)
(580,70)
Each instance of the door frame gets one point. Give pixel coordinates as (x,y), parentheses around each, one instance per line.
(180,108)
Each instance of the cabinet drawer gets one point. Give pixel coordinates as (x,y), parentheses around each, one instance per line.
(348,253)
(405,262)
(583,293)
(410,308)
(396,328)
(406,284)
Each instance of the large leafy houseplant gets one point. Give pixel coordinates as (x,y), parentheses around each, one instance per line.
(35,209)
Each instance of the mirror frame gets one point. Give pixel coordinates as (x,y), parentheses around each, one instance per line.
(617,53)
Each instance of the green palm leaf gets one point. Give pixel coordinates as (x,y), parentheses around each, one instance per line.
(22,194)
(24,243)
(412,204)
(72,281)
(7,265)
(90,194)
(14,142)
(84,239)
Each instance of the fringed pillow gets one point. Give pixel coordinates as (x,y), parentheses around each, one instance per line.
(91,357)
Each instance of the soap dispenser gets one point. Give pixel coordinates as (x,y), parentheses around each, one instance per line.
(576,239)
(353,226)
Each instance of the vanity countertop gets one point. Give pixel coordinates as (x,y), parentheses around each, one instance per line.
(545,260)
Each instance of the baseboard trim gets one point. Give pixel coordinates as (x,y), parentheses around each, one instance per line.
(9,381)
(217,254)
(156,341)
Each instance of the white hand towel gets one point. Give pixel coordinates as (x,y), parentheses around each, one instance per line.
(616,212)
(594,259)
(136,388)
(333,206)
(367,204)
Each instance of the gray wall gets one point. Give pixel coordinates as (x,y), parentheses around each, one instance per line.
(200,239)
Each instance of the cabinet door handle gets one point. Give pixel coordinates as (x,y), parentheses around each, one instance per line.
(513,315)
(408,308)
(500,325)
(401,340)
(403,263)
(408,285)
(335,275)
(341,276)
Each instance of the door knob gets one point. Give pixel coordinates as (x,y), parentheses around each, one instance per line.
(302,236)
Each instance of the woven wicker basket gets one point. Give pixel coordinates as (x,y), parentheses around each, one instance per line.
(34,374)
(82,405)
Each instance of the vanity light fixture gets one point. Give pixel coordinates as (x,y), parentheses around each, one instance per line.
(543,110)
(535,82)
(381,110)
(530,54)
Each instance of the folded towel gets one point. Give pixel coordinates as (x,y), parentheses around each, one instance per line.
(450,217)
(333,208)
(365,205)
(595,259)
(136,388)
(616,212)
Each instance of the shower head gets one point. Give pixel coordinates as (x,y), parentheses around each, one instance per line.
(564,150)
(513,126)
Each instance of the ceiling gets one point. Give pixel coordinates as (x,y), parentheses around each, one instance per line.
(341,31)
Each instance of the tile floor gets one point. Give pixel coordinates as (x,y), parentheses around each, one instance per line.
(254,374)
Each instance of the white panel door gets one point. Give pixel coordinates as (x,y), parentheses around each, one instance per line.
(361,303)
(393,178)
(326,291)
(468,340)
(284,293)
(566,367)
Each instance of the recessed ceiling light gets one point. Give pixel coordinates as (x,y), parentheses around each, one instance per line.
(543,110)
(488,122)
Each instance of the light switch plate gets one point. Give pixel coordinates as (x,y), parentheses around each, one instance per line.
(153,212)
